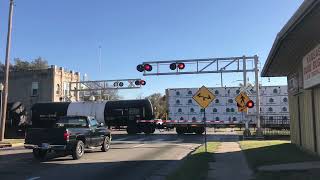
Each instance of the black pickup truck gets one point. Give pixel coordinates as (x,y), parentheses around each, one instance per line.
(69,135)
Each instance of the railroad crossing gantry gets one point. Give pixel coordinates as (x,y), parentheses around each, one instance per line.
(242,64)
(102,87)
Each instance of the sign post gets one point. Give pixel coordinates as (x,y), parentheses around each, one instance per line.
(242,100)
(204,97)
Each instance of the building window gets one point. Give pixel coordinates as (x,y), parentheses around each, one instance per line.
(228,109)
(194,119)
(217,101)
(216,92)
(271,118)
(181,118)
(177,101)
(284,109)
(192,110)
(217,118)
(190,101)
(275,91)
(178,93)
(230,101)
(271,100)
(285,99)
(270,109)
(215,110)
(260,109)
(35,89)
(179,110)
(58,89)
(234,118)
(284,118)
(66,88)
(232,109)
(190,92)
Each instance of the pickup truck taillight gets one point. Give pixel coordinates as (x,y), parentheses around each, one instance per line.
(66,135)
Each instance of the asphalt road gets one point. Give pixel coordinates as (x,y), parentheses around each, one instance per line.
(130,157)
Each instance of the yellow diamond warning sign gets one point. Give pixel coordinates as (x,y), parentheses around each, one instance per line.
(242,99)
(204,97)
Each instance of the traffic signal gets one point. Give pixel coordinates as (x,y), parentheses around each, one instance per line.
(173,66)
(250,104)
(140,82)
(144,67)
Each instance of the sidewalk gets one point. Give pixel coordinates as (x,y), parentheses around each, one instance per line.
(230,163)
(11,143)
(291,166)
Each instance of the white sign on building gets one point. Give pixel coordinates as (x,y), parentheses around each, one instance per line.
(311,68)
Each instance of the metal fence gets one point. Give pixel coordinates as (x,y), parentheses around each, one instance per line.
(275,125)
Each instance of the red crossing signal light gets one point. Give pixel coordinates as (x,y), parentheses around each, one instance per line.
(140,82)
(144,67)
(181,65)
(250,104)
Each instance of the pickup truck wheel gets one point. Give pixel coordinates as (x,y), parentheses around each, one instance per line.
(39,154)
(106,144)
(78,150)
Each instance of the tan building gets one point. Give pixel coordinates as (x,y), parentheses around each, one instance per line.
(296,55)
(44,85)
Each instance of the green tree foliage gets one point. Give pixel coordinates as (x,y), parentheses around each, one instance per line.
(159,104)
(20,64)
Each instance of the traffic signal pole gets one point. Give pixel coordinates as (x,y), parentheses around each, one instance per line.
(259,130)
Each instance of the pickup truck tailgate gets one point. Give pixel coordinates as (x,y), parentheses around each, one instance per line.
(37,136)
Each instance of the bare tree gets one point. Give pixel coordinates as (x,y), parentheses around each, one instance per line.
(159,105)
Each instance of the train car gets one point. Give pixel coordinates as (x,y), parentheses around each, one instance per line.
(135,115)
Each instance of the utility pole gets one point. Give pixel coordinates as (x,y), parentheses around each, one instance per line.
(6,78)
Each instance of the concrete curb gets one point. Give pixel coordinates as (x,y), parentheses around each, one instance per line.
(6,145)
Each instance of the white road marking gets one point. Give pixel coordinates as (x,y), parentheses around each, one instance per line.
(33,178)
(138,145)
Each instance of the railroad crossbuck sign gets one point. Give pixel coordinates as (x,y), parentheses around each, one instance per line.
(204,97)
(242,100)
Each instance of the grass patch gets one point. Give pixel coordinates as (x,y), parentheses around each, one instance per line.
(195,166)
(259,153)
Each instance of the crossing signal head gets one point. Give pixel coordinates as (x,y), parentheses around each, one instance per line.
(173,66)
(250,104)
(140,82)
(144,67)
(181,65)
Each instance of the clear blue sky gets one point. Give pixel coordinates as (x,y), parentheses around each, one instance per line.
(68,33)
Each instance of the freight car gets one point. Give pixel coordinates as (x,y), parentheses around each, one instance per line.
(136,115)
